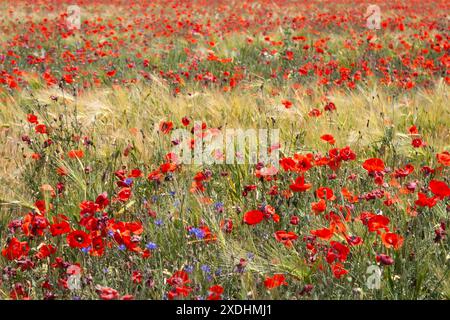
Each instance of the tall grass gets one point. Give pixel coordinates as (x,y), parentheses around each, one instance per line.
(371,121)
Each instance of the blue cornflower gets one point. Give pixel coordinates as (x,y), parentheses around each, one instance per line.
(199,233)
(188,268)
(86,249)
(218,205)
(151,246)
(205,268)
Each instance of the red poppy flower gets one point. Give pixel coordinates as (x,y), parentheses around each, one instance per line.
(324,233)
(111,73)
(181,291)
(373,165)
(337,251)
(338,270)
(350,197)
(276,281)
(34,224)
(285,237)
(269,212)
(136,277)
(68,78)
(106,293)
(102,201)
(217,289)
(319,206)
(304,162)
(45,251)
(353,240)
(444,158)
(207,234)
(168,167)
(315,113)
(289,55)
(286,103)
(347,154)
(215,293)
(165,126)
(16,249)
(179,278)
(413,130)
(226,225)
(423,201)
(135,227)
(124,238)
(417,143)
(32,118)
(407,170)
(41,128)
(288,164)
(19,292)
(328,138)
(253,217)
(378,222)
(88,208)
(155,175)
(330,106)
(299,185)
(336,224)
(135,173)
(59,228)
(185,121)
(97,247)
(124,194)
(41,206)
(325,193)
(439,189)
(72,154)
(78,239)
(392,240)
(365,216)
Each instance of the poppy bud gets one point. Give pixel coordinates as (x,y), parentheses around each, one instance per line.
(411,186)
(26,139)
(306,289)
(294,220)
(384,259)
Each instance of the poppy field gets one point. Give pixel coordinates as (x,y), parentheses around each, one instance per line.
(95,202)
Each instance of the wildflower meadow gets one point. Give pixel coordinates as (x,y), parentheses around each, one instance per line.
(224,150)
